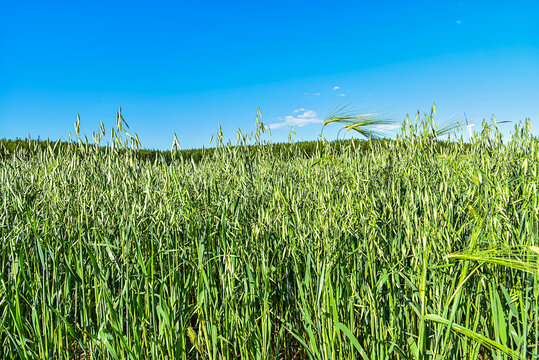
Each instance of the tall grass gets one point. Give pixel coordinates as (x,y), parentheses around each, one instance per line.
(408,250)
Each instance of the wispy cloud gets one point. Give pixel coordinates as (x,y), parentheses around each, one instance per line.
(387,127)
(300,117)
(459,22)
(342,94)
(316,94)
(335,88)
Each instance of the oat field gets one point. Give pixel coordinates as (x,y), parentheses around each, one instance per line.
(415,248)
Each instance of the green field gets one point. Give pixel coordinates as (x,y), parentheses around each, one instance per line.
(414,248)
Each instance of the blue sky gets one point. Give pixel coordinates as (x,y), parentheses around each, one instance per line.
(187,66)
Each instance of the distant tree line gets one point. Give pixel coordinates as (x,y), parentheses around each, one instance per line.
(306,149)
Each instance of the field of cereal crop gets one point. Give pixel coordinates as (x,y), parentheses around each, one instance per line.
(413,248)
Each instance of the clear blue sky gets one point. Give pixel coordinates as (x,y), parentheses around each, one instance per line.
(186,66)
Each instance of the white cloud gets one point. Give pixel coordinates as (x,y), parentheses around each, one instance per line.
(335,88)
(387,127)
(316,94)
(342,94)
(459,22)
(300,118)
